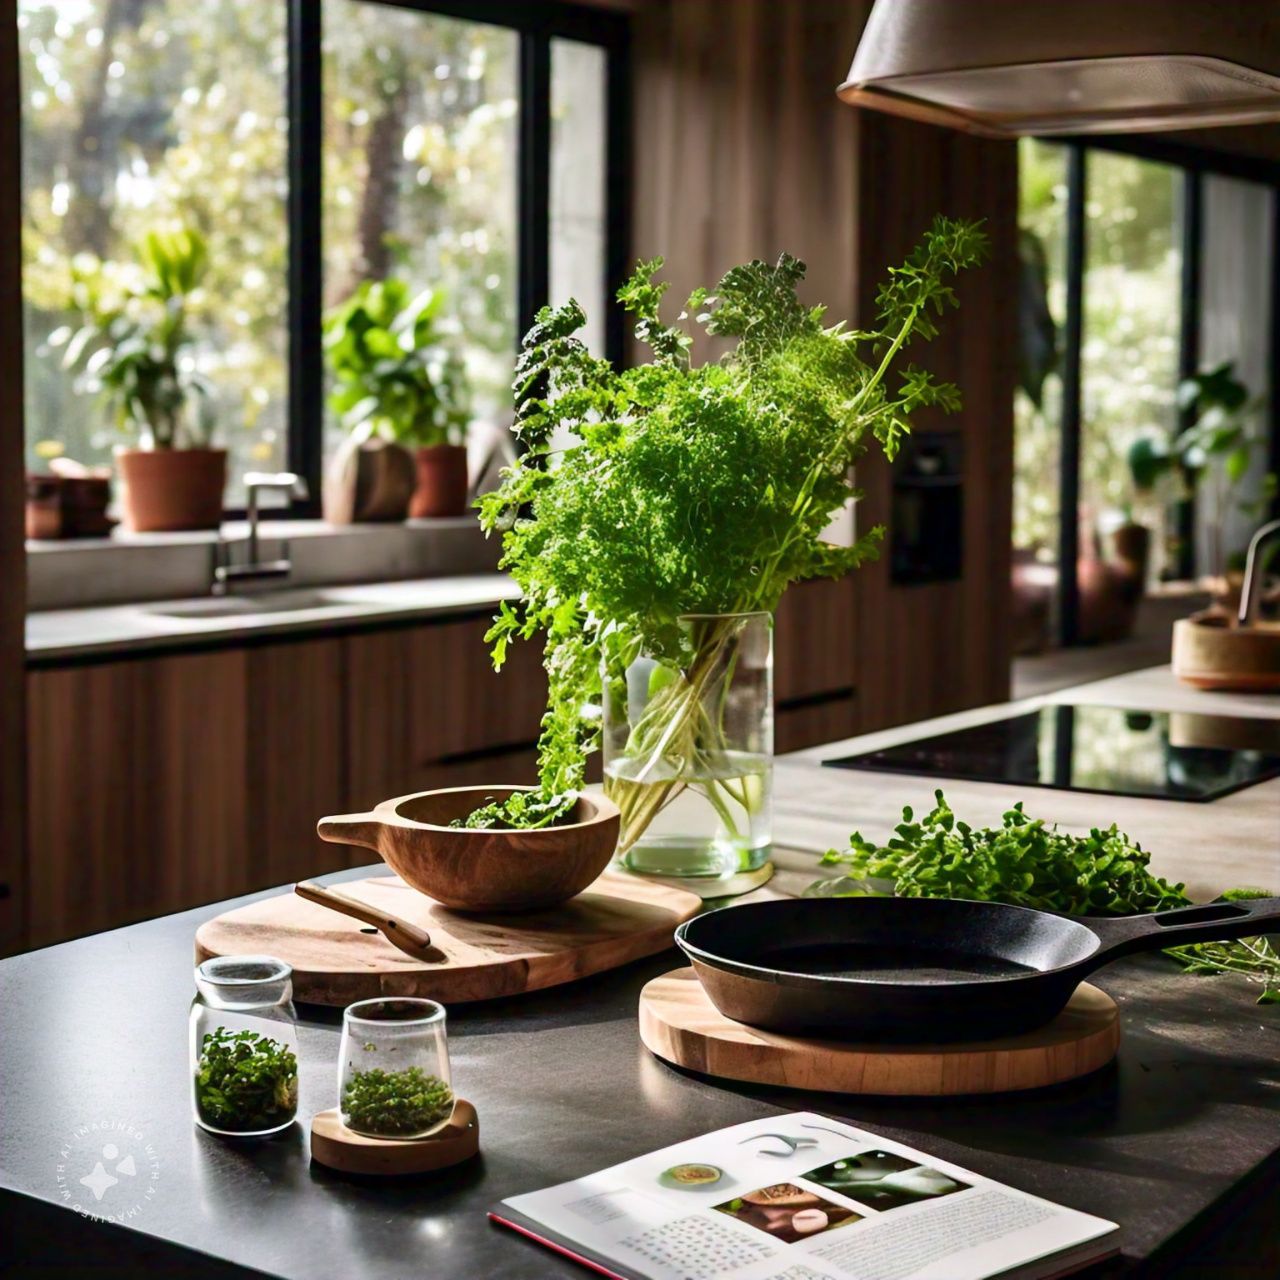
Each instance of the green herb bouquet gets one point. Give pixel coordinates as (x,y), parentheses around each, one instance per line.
(648,495)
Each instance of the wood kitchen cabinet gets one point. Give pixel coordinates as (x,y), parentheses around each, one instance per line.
(425,709)
(814,646)
(160,782)
(136,791)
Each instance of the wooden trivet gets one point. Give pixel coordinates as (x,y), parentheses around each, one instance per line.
(334,1145)
(679,1023)
(337,960)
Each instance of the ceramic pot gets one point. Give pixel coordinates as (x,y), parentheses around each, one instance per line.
(172,489)
(368,481)
(1211,651)
(1132,546)
(441,489)
(482,870)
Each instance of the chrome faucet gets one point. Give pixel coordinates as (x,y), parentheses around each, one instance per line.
(225,574)
(1251,593)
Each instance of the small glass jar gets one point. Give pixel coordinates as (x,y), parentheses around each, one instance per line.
(244,1046)
(393,1072)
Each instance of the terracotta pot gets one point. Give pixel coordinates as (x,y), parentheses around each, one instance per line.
(482,870)
(170,489)
(442,481)
(368,481)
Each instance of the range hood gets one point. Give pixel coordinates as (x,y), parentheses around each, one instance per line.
(1007,67)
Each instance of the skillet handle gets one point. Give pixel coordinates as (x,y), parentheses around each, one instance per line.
(1212,922)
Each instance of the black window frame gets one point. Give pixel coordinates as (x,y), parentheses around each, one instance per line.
(537,26)
(1194,162)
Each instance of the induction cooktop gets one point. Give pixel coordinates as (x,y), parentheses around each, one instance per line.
(1160,754)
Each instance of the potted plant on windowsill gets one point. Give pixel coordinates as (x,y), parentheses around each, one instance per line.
(656,516)
(134,346)
(398,378)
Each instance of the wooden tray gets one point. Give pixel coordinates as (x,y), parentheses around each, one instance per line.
(337,960)
(679,1023)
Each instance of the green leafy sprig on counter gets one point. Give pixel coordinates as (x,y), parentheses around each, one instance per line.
(1028,863)
(245,1082)
(647,494)
(395,1103)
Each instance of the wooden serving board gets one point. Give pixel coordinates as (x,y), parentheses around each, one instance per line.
(335,961)
(679,1023)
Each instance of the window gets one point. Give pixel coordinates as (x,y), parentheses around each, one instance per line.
(1139,270)
(316,144)
(578,215)
(1129,354)
(1037,405)
(138,116)
(420,142)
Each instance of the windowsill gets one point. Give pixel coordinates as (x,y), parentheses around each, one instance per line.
(134,568)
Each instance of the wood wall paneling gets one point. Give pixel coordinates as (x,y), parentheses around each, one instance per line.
(13,568)
(925,650)
(742,150)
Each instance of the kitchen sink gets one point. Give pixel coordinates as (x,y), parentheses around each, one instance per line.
(246,606)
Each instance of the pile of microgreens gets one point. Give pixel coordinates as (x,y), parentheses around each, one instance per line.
(646,494)
(1029,863)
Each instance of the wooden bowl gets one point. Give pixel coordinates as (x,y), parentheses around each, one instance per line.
(482,870)
(1210,652)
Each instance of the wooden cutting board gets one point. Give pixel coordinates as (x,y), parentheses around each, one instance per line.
(337,960)
(679,1023)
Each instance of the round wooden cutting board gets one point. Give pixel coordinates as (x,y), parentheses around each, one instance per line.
(337,960)
(679,1023)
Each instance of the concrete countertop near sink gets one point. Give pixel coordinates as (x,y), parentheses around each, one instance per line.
(55,635)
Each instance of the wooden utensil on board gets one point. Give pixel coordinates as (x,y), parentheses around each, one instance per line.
(400,933)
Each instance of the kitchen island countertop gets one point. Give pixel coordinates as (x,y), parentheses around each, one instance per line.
(1179,1140)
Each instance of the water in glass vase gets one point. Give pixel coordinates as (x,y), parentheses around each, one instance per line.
(712,822)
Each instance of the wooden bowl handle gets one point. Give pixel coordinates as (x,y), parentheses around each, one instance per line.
(350,828)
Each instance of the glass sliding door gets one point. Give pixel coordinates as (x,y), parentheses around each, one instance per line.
(1129,358)
(1236,271)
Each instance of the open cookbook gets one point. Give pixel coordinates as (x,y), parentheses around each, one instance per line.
(804,1197)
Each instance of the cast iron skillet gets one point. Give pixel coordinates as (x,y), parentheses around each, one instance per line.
(913,970)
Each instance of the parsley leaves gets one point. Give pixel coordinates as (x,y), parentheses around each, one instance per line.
(668,489)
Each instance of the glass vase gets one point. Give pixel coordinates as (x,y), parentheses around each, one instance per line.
(244,1046)
(393,1068)
(688,751)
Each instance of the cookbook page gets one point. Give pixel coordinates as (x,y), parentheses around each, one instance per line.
(803,1197)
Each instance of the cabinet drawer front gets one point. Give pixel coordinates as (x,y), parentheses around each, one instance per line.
(427,699)
(814,640)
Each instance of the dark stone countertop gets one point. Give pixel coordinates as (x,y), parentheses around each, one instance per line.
(1179,1141)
